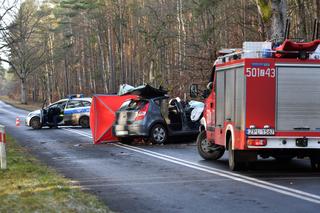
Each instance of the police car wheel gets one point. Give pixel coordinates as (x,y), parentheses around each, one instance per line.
(35,123)
(84,122)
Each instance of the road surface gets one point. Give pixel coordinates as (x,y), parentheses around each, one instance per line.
(169,178)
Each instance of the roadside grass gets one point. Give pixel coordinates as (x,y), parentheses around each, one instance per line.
(29,186)
(29,107)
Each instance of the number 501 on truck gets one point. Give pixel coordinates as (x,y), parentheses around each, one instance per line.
(263,104)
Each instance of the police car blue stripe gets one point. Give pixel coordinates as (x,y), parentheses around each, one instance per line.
(76,111)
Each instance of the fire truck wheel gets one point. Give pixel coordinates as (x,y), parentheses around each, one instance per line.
(315,163)
(234,163)
(35,123)
(207,150)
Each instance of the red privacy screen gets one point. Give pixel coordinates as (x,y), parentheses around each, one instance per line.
(103,115)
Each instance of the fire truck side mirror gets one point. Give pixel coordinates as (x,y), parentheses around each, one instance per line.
(206,93)
(194,90)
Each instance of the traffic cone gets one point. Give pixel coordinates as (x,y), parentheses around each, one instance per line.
(17,121)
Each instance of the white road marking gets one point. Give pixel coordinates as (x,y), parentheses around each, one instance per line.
(78,132)
(234,176)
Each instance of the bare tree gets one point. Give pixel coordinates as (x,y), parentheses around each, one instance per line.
(279,16)
(7,9)
(26,53)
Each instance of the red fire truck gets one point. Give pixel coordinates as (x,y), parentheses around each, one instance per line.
(267,106)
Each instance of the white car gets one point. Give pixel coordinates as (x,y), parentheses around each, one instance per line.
(74,111)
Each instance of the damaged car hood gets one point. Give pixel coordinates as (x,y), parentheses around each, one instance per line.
(146,91)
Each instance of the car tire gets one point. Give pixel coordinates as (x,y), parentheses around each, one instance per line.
(35,123)
(205,153)
(158,134)
(84,122)
(234,163)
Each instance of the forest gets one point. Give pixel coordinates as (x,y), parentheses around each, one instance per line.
(52,48)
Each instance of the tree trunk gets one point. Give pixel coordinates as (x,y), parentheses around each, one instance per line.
(279,16)
(51,68)
(103,64)
(302,19)
(262,30)
(49,84)
(23,90)
(317,9)
(66,75)
(111,61)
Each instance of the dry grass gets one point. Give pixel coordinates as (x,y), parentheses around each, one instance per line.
(29,186)
(17,104)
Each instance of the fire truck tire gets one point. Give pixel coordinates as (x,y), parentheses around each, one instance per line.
(234,163)
(205,153)
(35,123)
(315,163)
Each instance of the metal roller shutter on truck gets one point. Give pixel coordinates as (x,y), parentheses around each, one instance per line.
(298,98)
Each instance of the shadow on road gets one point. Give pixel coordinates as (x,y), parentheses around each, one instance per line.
(270,167)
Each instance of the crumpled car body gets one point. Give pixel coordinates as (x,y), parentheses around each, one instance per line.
(154,116)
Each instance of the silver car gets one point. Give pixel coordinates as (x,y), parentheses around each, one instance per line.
(74,111)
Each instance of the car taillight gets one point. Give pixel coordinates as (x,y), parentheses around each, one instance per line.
(142,112)
(257,142)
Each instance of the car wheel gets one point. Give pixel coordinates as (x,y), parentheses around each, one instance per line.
(158,134)
(35,123)
(234,163)
(84,122)
(207,150)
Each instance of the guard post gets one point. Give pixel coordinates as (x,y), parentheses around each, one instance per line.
(3,157)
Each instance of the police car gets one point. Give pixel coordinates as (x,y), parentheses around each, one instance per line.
(74,111)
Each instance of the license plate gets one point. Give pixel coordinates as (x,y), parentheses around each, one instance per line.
(260,131)
(120,133)
(302,142)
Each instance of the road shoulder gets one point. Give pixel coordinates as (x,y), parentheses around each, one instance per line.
(17,104)
(29,186)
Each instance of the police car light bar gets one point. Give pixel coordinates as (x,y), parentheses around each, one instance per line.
(71,96)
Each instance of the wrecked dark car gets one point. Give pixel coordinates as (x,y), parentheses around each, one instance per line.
(153,116)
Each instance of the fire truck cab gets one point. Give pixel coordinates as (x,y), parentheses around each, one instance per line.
(265,105)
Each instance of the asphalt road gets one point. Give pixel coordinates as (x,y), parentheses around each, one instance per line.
(169,178)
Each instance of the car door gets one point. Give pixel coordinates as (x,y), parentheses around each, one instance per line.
(71,115)
(61,105)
